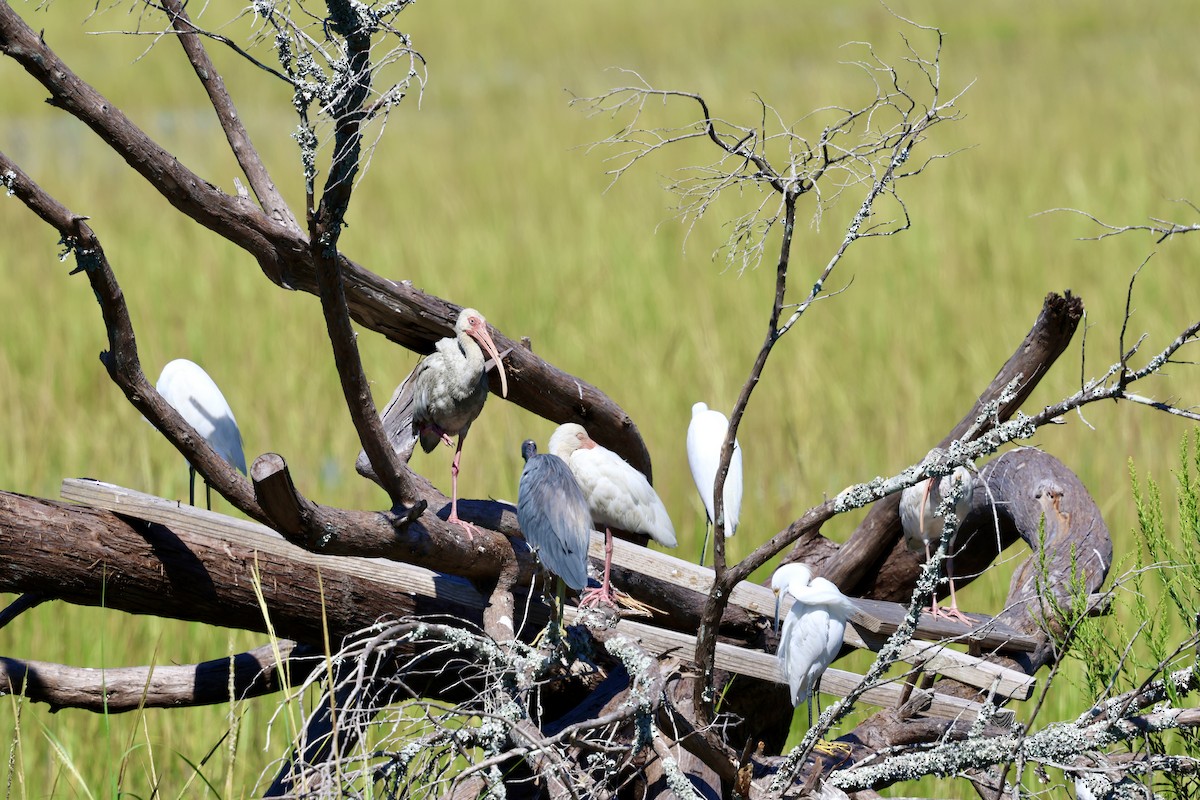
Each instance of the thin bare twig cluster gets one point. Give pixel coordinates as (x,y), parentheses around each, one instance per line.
(374,731)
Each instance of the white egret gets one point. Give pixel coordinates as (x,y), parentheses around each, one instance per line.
(812,631)
(450,387)
(554,518)
(923,527)
(195,395)
(617,495)
(705,437)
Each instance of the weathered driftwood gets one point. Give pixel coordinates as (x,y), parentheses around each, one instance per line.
(120,689)
(863,566)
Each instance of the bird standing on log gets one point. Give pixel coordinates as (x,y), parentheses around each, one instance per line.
(813,630)
(617,495)
(554,518)
(923,526)
(191,392)
(450,388)
(705,438)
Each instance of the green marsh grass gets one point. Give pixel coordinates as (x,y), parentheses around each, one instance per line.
(484,195)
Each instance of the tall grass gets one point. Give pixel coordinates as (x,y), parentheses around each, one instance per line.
(481,194)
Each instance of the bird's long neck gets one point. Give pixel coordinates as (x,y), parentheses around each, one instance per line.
(471,351)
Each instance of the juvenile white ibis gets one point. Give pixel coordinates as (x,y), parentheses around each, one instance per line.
(554,518)
(450,388)
(617,495)
(705,437)
(195,395)
(813,630)
(923,528)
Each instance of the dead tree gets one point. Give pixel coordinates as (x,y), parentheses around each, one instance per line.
(434,648)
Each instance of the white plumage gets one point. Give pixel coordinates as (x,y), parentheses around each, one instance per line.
(618,496)
(812,631)
(705,437)
(923,526)
(191,392)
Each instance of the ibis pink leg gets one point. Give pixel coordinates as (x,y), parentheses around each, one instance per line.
(605,593)
(953,612)
(453,518)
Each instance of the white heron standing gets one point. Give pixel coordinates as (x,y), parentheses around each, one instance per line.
(923,527)
(617,495)
(705,438)
(450,388)
(812,631)
(195,395)
(554,518)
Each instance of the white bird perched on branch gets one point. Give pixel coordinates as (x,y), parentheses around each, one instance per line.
(617,495)
(813,630)
(705,438)
(923,526)
(554,519)
(191,392)
(450,388)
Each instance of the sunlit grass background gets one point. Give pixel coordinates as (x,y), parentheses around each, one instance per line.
(482,194)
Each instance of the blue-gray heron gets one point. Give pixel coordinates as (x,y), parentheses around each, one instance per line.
(554,518)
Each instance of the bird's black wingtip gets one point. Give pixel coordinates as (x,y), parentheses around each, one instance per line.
(528,449)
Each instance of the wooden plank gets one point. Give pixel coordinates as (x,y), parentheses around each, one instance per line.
(416,580)
(765,666)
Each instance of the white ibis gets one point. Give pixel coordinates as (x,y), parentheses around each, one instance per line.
(617,494)
(450,387)
(923,528)
(813,630)
(554,518)
(705,437)
(195,395)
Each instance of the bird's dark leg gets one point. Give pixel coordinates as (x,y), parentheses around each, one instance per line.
(605,593)
(191,485)
(207,495)
(704,544)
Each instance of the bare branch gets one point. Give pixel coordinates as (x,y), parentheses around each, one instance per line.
(239,139)
(1161,228)
(122,689)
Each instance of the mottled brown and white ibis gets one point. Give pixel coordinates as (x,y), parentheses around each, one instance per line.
(191,392)
(617,495)
(813,630)
(554,519)
(705,438)
(450,388)
(923,527)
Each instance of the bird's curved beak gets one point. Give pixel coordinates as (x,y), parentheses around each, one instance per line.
(485,340)
(778,600)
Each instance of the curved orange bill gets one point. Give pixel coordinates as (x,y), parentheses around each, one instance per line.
(485,339)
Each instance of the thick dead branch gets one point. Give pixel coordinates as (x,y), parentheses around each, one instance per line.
(121,689)
(873,561)
(405,315)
